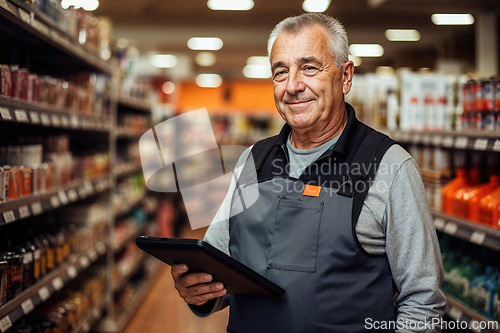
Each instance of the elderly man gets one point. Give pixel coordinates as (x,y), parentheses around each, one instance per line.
(342,221)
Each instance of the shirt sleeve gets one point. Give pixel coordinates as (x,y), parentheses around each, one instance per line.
(217,235)
(413,252)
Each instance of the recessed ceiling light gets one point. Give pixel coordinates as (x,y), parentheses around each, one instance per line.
(316,6)
(163,60)
(208,80)
(205,43)
(258,60)
(205,59)
(168,87)
(257,71)
(402,35)
(230,4)
(452,19)
(356,60)
(366,50)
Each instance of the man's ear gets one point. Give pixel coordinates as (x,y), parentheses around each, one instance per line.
(347,74)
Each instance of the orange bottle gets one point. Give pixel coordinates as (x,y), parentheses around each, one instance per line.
(473,197)
(486,207)
(458,200)
(448,190)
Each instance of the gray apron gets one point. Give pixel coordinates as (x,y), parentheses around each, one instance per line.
(306,245)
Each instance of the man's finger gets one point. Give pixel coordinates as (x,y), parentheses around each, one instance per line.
(178,270)
(202,299)
(194,279)
(205,288)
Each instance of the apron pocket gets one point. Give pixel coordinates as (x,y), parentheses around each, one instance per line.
(294,246)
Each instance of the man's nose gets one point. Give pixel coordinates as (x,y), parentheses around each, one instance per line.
(295,83)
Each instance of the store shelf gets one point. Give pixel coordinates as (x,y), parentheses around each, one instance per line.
(130,271)
(91,319)
(123,134)
(19,209)
(128,170)
(132,236)
(27,23)
(473,232)
(124,318)
(457,310)
(134,104)
(133,203)
(22,112)
(482,141)
(50,284)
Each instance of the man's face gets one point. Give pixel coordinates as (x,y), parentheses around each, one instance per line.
(308,87)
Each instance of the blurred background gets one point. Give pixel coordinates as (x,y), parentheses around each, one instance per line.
(83,80)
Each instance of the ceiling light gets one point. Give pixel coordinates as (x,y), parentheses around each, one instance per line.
(208,80)
(258,60)
(257,71)
(402,35)
(163,60)
(230,4)
(205,43)
(316,6)
(452,19)
(205,59)
(366,50)
(375,3)
(385,72)
(168,88)
(356,60)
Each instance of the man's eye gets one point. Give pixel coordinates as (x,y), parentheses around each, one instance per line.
(310,68)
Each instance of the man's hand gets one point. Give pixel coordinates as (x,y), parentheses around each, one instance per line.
(195,288)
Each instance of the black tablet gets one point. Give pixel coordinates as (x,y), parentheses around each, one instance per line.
(200,256)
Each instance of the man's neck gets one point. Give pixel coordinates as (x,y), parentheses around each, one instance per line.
(314,138)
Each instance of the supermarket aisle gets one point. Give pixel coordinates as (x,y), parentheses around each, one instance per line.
(163,311)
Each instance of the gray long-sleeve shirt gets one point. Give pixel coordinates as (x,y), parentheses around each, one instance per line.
(395,219)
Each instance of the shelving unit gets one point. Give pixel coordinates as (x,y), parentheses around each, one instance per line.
(50,284)
(457,310)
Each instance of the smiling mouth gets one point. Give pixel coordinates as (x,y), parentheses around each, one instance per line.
(298,103)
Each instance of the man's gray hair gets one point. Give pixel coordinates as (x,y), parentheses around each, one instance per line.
(335,29)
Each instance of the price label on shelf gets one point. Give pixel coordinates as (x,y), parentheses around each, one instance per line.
(5,324)
(62,197)
(448,141)
(496,145)
(461,142)
(450,228)
(416,138)
(5,114)
(8,216)
(44,118)
(82,193)
(21,116)
(27,306)
(36,208)
(481,144)
(55,120)
(72,272)
(54,201)
(24,212)
(72,195)
(44,293)
(439,223)
(88,187)
(65,121)
(92,253)
(455,313)
(57,283)
(477,237)
(405,136)
(35,119)
(84,262)
(426,139)
(437,140)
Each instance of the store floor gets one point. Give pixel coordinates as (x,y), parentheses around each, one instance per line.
(163,311)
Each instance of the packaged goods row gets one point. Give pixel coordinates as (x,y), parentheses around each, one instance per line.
(128,193)
(131,124)
(27,258)
(127,157)
(475,282)
(67,310)
(31,169)
(84,93)
(427,101)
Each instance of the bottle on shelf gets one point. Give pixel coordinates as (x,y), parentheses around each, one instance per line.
(451,187)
